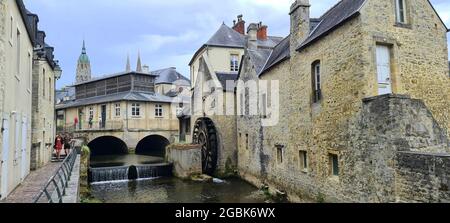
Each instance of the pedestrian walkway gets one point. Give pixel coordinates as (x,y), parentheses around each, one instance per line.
(35,181)
(33,184)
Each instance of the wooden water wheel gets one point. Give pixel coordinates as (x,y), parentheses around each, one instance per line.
(205,134)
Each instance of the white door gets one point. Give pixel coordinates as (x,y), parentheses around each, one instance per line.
(384,70)
(5,156)
(25,169)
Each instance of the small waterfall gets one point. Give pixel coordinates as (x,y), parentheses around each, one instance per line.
(153,171)
(108,174)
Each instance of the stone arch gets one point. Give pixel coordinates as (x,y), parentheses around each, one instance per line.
(153,145)
(107,145)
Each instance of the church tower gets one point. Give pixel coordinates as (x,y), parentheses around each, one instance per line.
(84,66)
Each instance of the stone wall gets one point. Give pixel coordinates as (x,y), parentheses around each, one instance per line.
(186,159)
(386,125)
(43,124)
(419,51)
(333,126)
(422,177)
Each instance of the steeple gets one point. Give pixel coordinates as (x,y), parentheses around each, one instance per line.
(128,68)
(84,66)
(83,51)
(139,64)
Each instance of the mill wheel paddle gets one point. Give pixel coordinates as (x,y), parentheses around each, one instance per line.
(205,134)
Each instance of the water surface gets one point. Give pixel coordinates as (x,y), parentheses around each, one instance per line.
(172,190)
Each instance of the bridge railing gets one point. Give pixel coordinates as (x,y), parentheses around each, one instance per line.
(55,188)
(108,126)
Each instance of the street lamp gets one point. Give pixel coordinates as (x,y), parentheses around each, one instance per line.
(58,71)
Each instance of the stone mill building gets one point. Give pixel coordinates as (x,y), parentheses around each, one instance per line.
(352,106)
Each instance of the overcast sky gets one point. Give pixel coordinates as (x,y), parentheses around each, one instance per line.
(167,32)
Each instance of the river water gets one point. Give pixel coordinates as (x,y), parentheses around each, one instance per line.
(165,189)
(172,190)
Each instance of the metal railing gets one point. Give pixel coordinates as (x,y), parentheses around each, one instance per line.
(55,188)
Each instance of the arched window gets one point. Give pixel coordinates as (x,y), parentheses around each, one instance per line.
(316,81)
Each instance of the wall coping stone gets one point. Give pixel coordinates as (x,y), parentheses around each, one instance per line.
(386,96)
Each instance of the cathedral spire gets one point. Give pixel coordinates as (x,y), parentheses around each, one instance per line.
(128,68)
(83,51)
(139,64)
(84,66)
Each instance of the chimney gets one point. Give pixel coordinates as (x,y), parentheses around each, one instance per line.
(262,31)
(239,26)
(252,32)
(146,69)
(299,23)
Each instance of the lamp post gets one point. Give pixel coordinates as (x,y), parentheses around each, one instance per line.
(58,71)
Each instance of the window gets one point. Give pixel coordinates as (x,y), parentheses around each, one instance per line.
(18,52)
(91,113)
(50,89)
(242,104)
(279,154)
(159,111)
(303,160)
(136,110)
(11,28)
(264,105)
(247,101)
(240,140)
(334,165)
(117,109)
(30,71)
(246,142)
(43,82)
(316,82)
(188,126)
(400,11)
(234,62)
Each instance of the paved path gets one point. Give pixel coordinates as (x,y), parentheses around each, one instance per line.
(33,184)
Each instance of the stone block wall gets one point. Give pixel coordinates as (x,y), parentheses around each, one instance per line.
(422,177)
(186,159)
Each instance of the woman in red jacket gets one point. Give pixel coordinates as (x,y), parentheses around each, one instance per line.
(59,144)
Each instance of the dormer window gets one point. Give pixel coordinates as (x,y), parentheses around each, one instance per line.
(400,11)
(234,61)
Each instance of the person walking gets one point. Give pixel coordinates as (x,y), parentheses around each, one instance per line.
(67,146)
(59,144)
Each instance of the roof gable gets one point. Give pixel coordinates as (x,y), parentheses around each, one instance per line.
(227,37)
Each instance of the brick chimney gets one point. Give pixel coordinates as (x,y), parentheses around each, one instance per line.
(239,26)
(262,31)
(300,18)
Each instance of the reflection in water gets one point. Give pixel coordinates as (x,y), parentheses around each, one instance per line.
(172,190)
(123,160)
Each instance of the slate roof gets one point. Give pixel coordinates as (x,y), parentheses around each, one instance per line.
(258,58)
(68,92)
(337,15)
(225,77)
(170,76)
(126,96)
(228,37)
(333,18)
(163,76)
(280,53)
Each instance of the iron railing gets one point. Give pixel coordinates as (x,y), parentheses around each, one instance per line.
(55,188)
